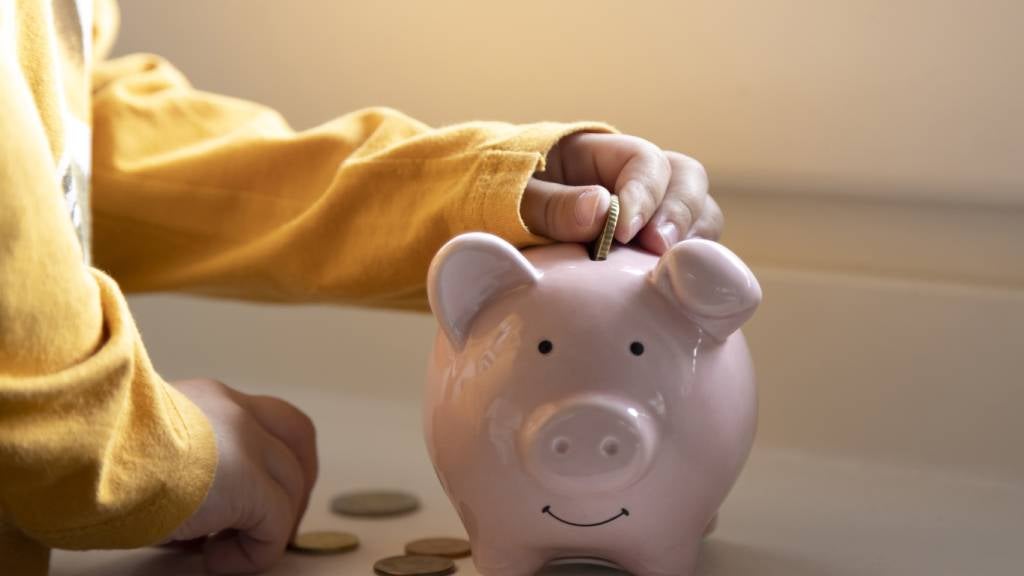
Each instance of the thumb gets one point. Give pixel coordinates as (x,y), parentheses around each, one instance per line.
(564,213)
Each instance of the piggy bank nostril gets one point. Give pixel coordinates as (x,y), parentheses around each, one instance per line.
(560,446)
(610,446)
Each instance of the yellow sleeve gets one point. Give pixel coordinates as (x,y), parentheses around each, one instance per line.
(203,193)
(95,449)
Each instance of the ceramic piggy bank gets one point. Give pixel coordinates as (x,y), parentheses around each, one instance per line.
(588,409)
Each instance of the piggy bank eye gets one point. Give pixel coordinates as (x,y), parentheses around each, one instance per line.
(545,346)
(637,348)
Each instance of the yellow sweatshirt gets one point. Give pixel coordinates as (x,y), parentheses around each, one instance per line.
(192,192)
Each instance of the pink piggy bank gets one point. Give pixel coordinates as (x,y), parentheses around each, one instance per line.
(585,409)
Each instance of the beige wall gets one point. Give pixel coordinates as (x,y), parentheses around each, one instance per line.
(867,153)
(867,97)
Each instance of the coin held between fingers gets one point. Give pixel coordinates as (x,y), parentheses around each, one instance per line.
(603,245)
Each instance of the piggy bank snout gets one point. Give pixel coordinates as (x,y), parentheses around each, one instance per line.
(588,444)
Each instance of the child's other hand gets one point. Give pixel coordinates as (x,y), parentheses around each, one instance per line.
(663,195)
(266,469)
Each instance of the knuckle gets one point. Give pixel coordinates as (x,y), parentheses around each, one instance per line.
(292,412)
(208,383)
(641,146)
(687,165)
(633,143)
(717,221)
(649,204)
(221,390)
(300,426)
(653,174)
(640,201)
(305,430)
(216,385)
(657,157)
(237,416)
(693,201)
(663,160)
(676,209)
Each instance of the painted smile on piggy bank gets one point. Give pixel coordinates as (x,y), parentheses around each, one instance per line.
(547,510)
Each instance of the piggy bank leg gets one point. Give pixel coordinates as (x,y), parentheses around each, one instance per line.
(502,561)
(678,561)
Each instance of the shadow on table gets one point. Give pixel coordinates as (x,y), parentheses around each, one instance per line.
(177,561)
(718,558)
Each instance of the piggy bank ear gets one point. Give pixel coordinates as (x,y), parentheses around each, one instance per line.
(710,284)
(469,272)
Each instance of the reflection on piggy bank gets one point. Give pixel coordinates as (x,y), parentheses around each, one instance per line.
(583,409)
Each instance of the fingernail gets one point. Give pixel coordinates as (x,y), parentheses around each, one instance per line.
(634,226)
(669,233)
(586,207)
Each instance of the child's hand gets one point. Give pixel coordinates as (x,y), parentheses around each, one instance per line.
(663,195)
(266,470)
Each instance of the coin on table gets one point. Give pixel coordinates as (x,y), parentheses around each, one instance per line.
(445,547)
(374,503)
(604,241)
(414,566)
(324,542)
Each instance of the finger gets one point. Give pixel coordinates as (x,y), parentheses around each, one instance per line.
(284,467)
(682,206)
(641,187)
(564,213)
(296,430)
(259,539)
(711,222)
(637,170)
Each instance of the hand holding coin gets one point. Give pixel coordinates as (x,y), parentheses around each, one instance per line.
(663,194)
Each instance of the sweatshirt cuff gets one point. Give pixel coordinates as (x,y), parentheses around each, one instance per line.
(505,170)
(174,427)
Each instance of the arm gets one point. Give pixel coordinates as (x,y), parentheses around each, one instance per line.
(95,449)
(203,193)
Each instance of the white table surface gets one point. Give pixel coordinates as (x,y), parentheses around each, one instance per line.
(790,514)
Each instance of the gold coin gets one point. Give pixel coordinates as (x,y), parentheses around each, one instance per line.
(374,503)
(445,547)
(324,542)
(604,241)
(414,566)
